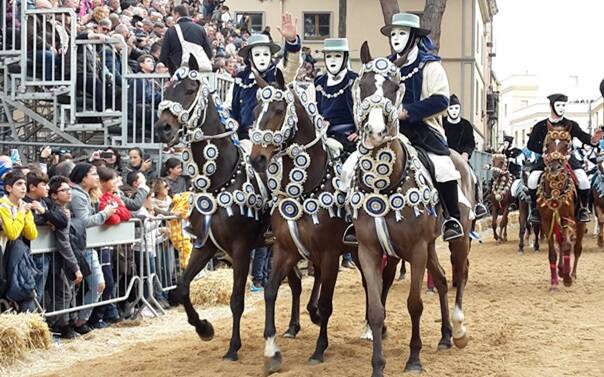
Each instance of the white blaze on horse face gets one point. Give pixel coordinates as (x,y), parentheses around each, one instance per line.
(560,108)
(334,62)
(375,119)
(399,36)
(454,111)
(261,57)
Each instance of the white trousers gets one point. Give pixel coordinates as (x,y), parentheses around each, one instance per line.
(444,169)
(582,180)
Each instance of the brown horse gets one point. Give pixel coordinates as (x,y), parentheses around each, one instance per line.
(228,209)
(525,228)
(501,196)
(394,202)
(556,200)
(309,215)
(598,198)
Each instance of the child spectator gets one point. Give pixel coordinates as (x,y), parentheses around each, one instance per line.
(161,197)
(85,181)
(180,239)
(108,179)
(18,221)
(65,270)
(173,173)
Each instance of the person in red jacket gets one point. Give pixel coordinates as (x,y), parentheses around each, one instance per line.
(108,178)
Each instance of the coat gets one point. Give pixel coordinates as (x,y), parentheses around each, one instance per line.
(82,208)
(121,213)
(171,50)
(21,271)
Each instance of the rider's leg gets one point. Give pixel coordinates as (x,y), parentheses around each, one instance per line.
(533,182)
(446,183)
(584,192)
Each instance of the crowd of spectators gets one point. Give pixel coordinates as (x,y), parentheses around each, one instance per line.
(69,194)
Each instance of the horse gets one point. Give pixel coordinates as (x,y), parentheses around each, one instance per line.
(393,202)
(597,189)
(228,209)
(556,201)
(523,214)
(500,196)
(308,203)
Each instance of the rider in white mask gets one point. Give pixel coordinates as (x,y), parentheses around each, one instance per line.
(261,58)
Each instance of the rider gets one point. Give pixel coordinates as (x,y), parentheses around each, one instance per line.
(460,137)
(258,56)
(535,144)
(426,98)
(512,154)
(334,101)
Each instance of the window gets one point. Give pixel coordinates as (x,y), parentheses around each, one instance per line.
(317,26)
(254,21)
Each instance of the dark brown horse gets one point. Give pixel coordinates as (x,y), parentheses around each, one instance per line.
(598,198)
(228,209)
(405,228)
(309,215)
(501,196)
(525,228)
(556,200)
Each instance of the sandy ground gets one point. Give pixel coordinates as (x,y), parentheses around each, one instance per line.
(516,327)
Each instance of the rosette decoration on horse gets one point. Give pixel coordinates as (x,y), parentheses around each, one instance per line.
(556,197)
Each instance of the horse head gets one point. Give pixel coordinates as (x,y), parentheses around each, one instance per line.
(276,120)
(378,95)
(499,165)
(556,148)
(185,102)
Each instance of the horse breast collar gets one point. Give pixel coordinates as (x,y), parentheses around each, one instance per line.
(292,201)
(224,194)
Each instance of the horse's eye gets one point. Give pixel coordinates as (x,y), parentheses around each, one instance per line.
(190,92)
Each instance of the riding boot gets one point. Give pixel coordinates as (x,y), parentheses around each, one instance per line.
(452,228)
(479,209)
(534,217)
(583,212)
(350,236)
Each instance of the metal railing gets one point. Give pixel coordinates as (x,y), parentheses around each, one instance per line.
(478,161)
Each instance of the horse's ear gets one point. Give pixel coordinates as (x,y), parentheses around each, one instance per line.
(280,79)
(259,80)
(365,53)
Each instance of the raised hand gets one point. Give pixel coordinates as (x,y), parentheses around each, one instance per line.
(288,27)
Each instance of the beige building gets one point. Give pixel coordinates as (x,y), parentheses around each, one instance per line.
(466,42)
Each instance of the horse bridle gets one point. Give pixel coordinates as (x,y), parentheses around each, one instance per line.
(194,117)
(362,107)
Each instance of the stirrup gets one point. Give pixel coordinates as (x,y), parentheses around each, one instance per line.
(583,215)
(350,236)
(480,210)
(452,229)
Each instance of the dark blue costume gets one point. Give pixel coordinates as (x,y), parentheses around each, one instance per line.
(244,93)
(416,130)
(337,110)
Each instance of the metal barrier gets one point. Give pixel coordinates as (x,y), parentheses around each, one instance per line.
(127,272)
(10,14)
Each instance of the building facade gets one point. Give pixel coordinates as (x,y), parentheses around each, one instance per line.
(465,45)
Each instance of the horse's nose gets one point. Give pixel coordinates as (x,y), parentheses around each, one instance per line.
(164,131)
(259,163)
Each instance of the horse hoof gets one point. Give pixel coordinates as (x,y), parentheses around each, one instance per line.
(413,367)
(230,356)
(553,288)
(173,299)
(444,344)
(272,364)
(205,330)
(292,331)
(461,342)
(316,359)
(568,281)
(520,252)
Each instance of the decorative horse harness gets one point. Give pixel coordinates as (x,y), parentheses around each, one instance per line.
(292,201)
(504,181)
(374,172)
(558,182)
(224,194)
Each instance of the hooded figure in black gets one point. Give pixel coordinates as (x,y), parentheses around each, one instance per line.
(459,131)
(536,143)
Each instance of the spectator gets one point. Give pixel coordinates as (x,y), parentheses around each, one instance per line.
(112,159)
(172,51)
(112,54)
(65,269)
(173,174)
(138,162)
(161,197)
(86,180)
(18,221)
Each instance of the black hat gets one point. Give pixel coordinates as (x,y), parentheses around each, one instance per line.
(602,88)
(79,172)
(508,138)
(453,100)
(558,97)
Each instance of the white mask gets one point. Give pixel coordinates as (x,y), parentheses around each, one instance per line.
(454,111)
(399,36)
(261,57)
(334,62)
(559,108)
